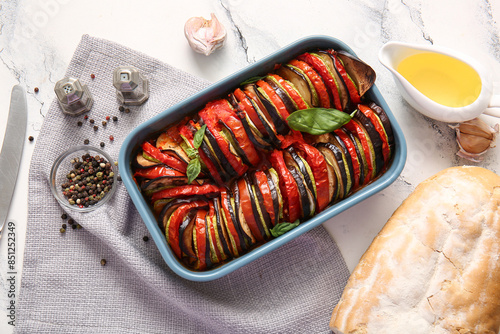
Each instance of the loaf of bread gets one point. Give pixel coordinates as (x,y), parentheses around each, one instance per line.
(435,266)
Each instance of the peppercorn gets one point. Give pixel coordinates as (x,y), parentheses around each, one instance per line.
(145,238)
(102,144)
(36,89)
(86,141)
(115,118)
(64,216)
(127,110)
(79,123)
(62,230)
(108,118)
(30,138)
(111,138)
(119,178)
(96,127)
(121,108)
(92,76)
(91,121)
(103,262)
(104,123)
(86,117)
(64,226)
(73,227)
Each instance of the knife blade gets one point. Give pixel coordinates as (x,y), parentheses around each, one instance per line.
(12,149)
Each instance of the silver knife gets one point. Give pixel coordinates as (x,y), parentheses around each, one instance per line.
(12,149)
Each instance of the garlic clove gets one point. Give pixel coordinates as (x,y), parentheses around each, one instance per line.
(474,138)
(205,36)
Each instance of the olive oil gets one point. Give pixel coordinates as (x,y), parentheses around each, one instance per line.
(443,79)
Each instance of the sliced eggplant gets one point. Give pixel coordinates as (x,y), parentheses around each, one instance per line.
(273,183)
(212,142)
(347,160)
(360,72)
(141,162)
(305,170)
(279,123)
(238,212)
(167,145)
(261,215)
(208,253)
(162,182)
(253,133)
(361,156)
(170,207)
(301,82)
(268,125)
(221,231)
(283,95)
(385,122)
(229,207)
(306,199)
(377,143)
(215,254)
(333,156)
(186,237)
(345,98)
(228,134)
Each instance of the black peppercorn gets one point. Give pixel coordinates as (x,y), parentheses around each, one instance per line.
(103,262)
(64,216)
(127,110)
(96,127)
(36,89)
(71,221)
(102,144)
(115,118)
(145,238)
(79,123)
(121,108)
(30,138)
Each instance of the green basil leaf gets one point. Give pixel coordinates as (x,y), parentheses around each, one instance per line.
(198,136)
(317,121)
(251,80)
(193,169)
(191,152)
(282,228)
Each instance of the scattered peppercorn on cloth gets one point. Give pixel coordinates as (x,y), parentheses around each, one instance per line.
(65,289)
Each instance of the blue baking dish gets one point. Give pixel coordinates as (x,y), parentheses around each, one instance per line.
(220,89)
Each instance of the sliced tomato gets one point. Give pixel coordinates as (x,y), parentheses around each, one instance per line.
(275,99)
(316,80)
(251,217)
(157,171)
(292,92)
(363,138)
(187,190)
(262,182)
(288,187)
(386,151)
(175,221)
(201,246)
(249,109)
(354,156)
(323,71)
(318,165)
(227,115)
(209,116)
(163,158)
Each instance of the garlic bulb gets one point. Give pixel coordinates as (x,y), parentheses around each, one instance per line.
(474,138)
(205,36)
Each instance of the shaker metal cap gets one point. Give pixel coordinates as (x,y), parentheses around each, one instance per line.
(74,98)
(132,87)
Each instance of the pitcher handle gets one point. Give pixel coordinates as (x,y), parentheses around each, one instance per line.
(493,107)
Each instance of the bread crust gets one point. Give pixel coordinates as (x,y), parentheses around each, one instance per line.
(435,266)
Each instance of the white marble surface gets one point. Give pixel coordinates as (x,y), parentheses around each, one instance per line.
(38,38)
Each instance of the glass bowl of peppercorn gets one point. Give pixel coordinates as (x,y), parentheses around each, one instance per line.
(83,178)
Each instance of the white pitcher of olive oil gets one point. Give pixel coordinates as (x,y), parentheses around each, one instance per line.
(441,83)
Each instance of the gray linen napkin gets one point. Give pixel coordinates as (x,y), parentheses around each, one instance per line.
(65,289)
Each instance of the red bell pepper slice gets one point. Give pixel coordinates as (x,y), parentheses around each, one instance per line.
(288,187)
(164,158)
(186,190)
(319,168)
(157,171)
(354,128)
(248,107)
(261,179)
(200,233)
(187,133)
(209,116)
(386,150)
(299,101)
(316,80)
(354,156)
(246,207)
(175,221)
(353,92)
(329,80)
